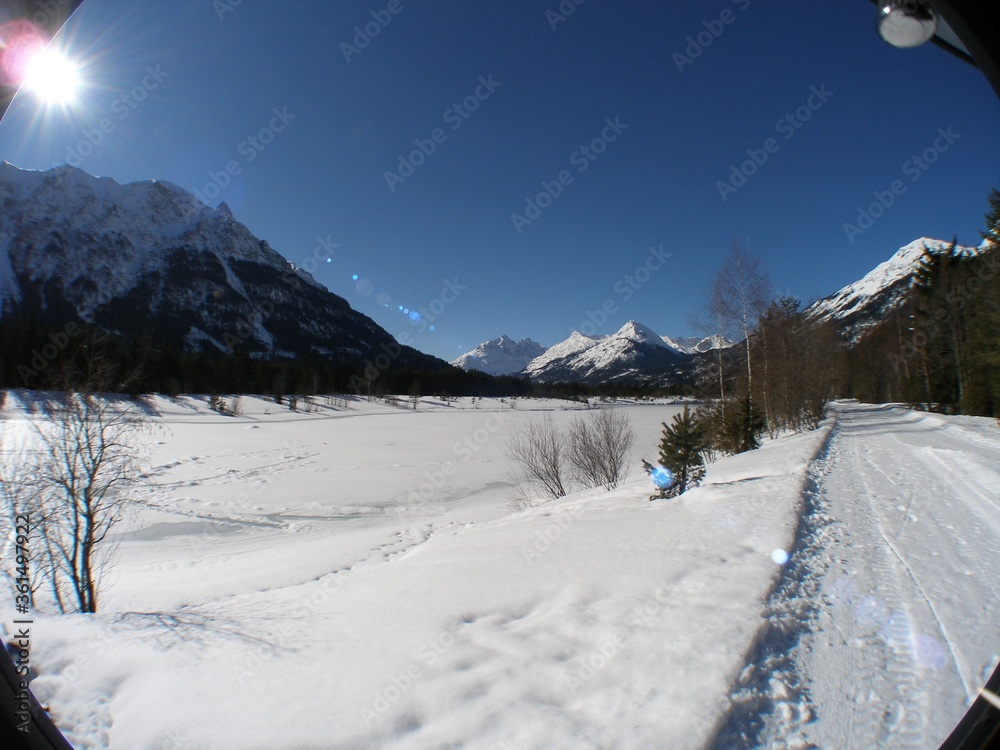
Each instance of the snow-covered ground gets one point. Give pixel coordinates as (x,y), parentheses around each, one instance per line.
(887,622)
(352,578)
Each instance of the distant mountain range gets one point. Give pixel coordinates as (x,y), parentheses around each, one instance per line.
(633,353)
(148,257)
(636,353)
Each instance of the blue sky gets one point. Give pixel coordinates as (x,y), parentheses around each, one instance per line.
(186,88)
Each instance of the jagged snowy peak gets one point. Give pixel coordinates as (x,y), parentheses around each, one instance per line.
(859,306)
(575,344)
(697,345)
(633,353)
(148,256)
(502,356)
(633,331)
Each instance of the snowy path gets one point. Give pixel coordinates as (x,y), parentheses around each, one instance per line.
(885,624)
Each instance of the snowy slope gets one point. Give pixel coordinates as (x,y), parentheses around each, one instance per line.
(502,356)
(148,256)
(860,305)
(282,561)
(571,346)
(323,562)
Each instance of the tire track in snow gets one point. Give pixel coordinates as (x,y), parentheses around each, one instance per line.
(949,642)
(849,653)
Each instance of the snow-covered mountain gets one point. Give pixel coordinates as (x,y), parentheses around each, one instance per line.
(633,353)
(697,344)
(860,306)
(575,344)
(148,256)
(502,356)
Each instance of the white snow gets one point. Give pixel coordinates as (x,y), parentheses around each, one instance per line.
(582,353)
(576,343)
(854,297)
(694,344)
(885,627)
(350,577)
(502,356)
(136,222)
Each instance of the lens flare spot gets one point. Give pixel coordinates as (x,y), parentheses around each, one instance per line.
(354,277)
(840,592)
(871,612)
(929,652)
(20,42)
(365,287)
(662,477)
(432,328)
(779,556)
(414,315)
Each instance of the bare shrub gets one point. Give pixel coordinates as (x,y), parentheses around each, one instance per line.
(89,466)
(599,447)
(539,449)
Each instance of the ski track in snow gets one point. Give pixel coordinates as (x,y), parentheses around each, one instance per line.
(880,631)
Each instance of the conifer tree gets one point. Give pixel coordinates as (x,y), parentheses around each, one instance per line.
(681,447)
(750,423)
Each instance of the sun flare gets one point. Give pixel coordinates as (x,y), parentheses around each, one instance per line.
(52,77)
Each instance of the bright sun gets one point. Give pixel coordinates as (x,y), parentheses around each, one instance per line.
(52,77)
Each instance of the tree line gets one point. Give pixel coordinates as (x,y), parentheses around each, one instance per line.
(938,350)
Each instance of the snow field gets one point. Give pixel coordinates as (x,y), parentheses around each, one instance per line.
(309,599)
(351,577)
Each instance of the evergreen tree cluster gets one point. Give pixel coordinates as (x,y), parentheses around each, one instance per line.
(941,349)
